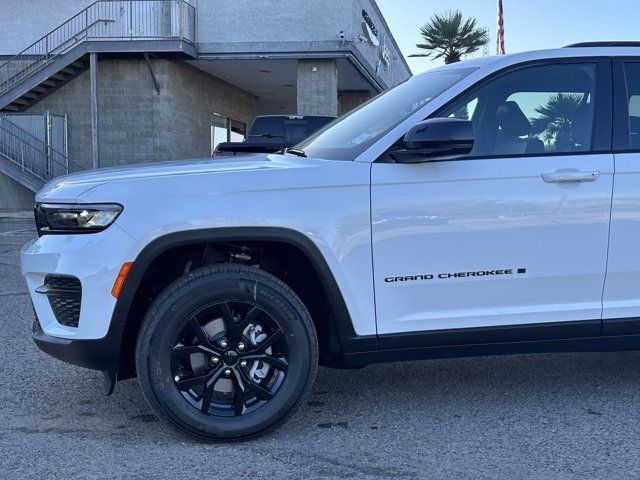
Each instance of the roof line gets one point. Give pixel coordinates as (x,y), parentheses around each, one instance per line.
(604,44)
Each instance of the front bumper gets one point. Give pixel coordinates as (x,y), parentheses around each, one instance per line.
(102,354)
(94,260)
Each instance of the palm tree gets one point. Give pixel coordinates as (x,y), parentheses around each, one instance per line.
(450,36)
(555,122)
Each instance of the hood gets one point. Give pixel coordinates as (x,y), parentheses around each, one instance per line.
(69,187)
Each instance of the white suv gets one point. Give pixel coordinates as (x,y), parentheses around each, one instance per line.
(488,207)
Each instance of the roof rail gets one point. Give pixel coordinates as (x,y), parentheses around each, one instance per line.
(604,44)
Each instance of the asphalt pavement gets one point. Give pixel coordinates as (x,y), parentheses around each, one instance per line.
(564,416)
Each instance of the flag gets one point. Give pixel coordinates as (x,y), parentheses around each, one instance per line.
(500,30)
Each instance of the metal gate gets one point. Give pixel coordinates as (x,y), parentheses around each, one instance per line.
(49,128)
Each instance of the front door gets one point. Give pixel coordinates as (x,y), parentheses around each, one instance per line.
(515,234)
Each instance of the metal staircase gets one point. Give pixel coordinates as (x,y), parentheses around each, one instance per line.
(104,26)
(27,159)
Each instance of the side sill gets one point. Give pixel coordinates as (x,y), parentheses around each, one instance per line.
(589,344)
(492,334)
(621,326)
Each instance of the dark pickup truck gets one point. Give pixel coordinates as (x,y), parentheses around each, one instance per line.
(271,133)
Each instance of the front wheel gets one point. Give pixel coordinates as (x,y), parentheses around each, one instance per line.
(226,352)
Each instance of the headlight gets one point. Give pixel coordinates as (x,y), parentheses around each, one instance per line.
(57,218)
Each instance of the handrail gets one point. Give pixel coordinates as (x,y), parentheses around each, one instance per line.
(48,34)
(103,20)
(31,154)
(24,133)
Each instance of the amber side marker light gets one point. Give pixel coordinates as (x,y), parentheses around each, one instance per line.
(122,274)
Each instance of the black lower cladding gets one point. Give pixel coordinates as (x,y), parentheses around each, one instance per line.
(101,354)
(65,297)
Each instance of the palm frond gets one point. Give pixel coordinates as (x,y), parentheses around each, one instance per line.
(556,117)
(451,36)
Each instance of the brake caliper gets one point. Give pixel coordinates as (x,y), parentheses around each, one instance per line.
(259,370)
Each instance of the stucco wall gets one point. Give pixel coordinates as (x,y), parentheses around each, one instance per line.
(396,71)
(297,27)
(282,21)
(24,21)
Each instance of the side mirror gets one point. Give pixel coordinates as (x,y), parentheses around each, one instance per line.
(435,139)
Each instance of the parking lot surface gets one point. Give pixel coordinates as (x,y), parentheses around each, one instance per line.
(529,416)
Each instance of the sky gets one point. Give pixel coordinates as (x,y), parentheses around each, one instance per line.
(529,24)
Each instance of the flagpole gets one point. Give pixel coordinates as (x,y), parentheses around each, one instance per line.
(500,30)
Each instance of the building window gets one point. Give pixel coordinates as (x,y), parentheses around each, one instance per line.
(237,131)
(225,129)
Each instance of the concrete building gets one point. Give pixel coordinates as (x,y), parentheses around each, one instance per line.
(130,81)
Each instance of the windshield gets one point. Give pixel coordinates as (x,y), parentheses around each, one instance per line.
(349,136)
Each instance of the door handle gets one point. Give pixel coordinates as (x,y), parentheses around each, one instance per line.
(567,177)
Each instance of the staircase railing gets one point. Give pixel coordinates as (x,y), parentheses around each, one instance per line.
(30,154)
(103,20)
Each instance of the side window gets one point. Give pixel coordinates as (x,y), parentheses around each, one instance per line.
(632,74)
(535,110)
(466,111)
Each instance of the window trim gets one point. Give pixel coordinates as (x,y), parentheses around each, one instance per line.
(602,133)
(621,133)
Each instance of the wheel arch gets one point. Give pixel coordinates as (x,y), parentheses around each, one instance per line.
(342,330)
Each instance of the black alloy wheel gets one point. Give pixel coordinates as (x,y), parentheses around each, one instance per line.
(237,368)
(226,352)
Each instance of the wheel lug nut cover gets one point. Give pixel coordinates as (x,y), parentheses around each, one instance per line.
(243,363)
(227,372)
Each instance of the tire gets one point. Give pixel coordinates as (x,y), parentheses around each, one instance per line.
(178,341)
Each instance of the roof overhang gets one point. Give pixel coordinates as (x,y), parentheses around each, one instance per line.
(272,77)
